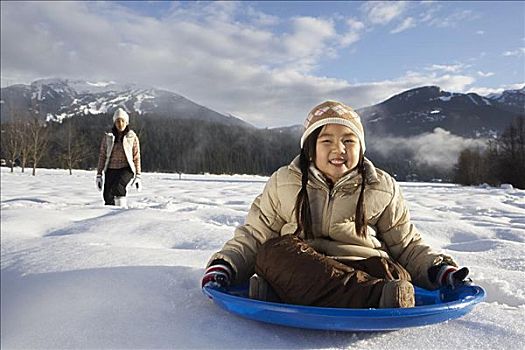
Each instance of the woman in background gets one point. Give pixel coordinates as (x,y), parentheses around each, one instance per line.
(119,160)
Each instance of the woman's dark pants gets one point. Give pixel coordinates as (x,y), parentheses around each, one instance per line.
(115,183)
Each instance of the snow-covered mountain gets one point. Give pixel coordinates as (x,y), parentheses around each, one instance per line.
(420,110)
(56,99)
(423,109)
(512,100)
(409,113)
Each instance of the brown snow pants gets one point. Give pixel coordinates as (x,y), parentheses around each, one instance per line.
(300,275)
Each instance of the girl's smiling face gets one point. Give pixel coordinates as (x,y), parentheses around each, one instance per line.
(336,151)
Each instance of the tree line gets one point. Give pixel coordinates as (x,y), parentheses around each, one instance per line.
(24,143)
(167,145)
(190,146)
(501,161)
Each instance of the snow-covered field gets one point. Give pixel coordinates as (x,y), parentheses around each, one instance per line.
(76,274)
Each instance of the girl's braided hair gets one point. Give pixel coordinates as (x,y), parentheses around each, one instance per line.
(302,204)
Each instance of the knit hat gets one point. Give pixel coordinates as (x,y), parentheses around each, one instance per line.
(333,112)
(120,114)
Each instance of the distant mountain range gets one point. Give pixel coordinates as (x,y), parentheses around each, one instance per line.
(409,113)
(423,109)
(56,99)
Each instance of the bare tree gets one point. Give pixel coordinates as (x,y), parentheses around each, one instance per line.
(469,169)
(11,142)
(512,160)
(38,135)
(503,161)
(25,143)
(75,148)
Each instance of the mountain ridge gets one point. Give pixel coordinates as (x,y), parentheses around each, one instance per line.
(56,99)
(408,113)
(421,110)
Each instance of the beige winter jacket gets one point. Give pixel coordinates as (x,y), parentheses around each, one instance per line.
(128,154)
(390,232)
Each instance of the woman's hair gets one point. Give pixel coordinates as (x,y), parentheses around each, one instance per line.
(302,204)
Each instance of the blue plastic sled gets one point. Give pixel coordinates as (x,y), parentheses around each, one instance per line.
(431,307)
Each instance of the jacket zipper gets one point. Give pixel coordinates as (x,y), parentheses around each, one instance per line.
(327,215)
(327,212)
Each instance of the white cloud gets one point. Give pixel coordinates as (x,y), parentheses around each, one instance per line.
(438,149)
(485,75)
(515,86)
(457,83)
(228,66)
(221,11)
(355,24)
(439,15)
(484,91)
(450,68)
(350,38)
(428,15)
(382,12)
(309,37)
(261,18)
(406,24)
(242,67)
(517,52)
(354,33)
(432,14)
(452,19)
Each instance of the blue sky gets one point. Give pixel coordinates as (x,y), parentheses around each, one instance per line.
(468,33)
(269,62)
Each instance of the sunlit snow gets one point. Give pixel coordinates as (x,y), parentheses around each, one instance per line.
(76,274)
